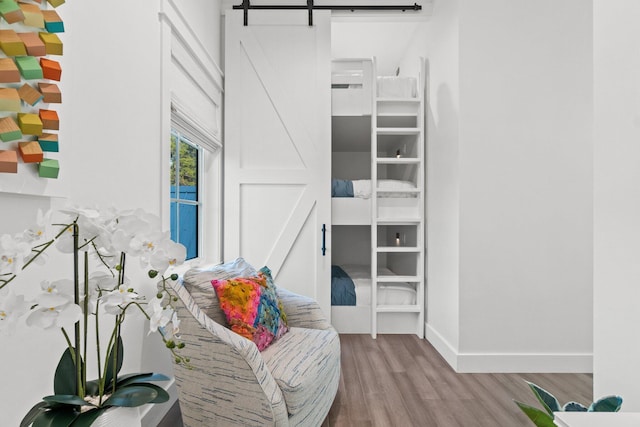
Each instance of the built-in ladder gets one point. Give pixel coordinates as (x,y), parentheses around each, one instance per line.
(397,223)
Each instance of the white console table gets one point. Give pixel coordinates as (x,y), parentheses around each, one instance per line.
(597,419)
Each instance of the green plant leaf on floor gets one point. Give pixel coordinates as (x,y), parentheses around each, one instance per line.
(574,407)
(546,399)
(537,416)
(606,404)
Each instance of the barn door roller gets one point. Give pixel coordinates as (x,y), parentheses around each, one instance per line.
(310,6)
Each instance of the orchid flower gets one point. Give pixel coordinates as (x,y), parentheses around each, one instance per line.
(160,315)
(115,301)
(12,307)
(13,251)
(168,254)
(54,306)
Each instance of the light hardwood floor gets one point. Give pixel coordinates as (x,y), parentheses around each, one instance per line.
(401,380)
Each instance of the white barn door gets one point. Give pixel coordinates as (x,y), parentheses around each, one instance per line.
(277,154)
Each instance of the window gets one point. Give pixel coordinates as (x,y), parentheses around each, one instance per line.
(185,192)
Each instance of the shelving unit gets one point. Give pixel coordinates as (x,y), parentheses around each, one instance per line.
(397,152)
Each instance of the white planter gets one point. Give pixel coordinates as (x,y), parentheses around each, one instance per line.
(597,419)
(117,417)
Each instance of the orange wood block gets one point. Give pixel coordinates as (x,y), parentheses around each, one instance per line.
(31,151)
(50,69)
(33,44)
(8,161)
(11,44)
(51,92)
(29,94)
(9,73)
(49,119)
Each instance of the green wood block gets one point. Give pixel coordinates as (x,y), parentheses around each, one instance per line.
(54,27)
(10,11)
(49,168)
(9,130)
(49,142)
(29,67)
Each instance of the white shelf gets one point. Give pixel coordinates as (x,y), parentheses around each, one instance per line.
(397,161)
(398,279)
(404,100)
(398,221)
(398,131)
(398,309)
(597,419)
(398,249)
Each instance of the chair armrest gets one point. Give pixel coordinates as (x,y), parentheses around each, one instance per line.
(302,311)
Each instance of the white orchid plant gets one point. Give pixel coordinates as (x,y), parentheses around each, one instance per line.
(98,240)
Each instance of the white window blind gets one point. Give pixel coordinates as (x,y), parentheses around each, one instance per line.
(188,123)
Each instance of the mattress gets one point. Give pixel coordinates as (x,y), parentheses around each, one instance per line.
(388,293)
(361,188)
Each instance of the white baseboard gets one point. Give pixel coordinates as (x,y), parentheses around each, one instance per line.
(509,362)
(151,415)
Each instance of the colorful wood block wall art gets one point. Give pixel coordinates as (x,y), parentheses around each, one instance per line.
(51,69)
(49,119)
(9,130)
(11,44)
(11,12)
(52,21)
(29,67)
(29,93)
(32,15)
(52,43)
(33,44)
(49,168)
(30,124)
(9,73)
(8,161)
(30,152)
(49,142)
(10,100)
(50,92)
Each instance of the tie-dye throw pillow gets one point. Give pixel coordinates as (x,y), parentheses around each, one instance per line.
(252,307)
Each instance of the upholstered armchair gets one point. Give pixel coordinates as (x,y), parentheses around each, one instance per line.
(290,383)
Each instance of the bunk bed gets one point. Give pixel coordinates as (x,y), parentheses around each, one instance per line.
(377,200)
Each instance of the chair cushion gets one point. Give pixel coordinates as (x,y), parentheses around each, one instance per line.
(301,362)
(252,307)
(197,281)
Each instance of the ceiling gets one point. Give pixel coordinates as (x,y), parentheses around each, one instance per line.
(387,41)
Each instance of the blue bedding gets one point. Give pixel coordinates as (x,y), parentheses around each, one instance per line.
(341,188)
(343,291)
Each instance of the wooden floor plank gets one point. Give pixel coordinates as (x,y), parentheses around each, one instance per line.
(401,380)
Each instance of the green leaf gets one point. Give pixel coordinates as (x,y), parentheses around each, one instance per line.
(67,399)
(538,417)
(132,396)
(58,417)
(162,397)
(140,378)
(37,409)
(606,404)
(109,372)
(546,399)
(64,381)
(574,407)
(85,419)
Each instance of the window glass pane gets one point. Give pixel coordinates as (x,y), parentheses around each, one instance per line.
(174,219)
(188,228)
(188,168)
(172,169)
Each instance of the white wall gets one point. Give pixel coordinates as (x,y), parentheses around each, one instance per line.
(111,136)
(510,184)
(617,201)
(526,182)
